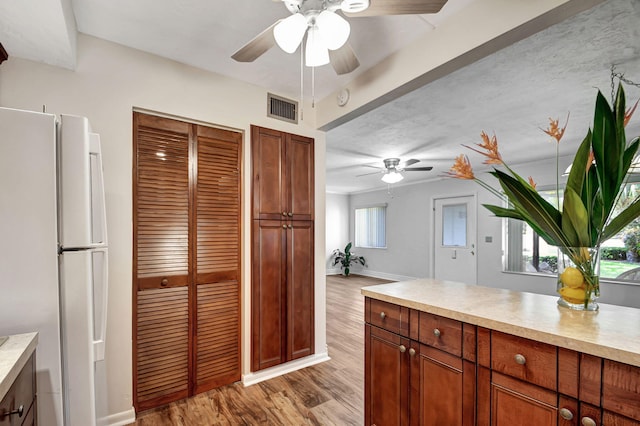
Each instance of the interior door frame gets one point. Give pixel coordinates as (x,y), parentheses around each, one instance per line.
(432,259)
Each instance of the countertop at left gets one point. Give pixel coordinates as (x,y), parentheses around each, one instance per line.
(14,354)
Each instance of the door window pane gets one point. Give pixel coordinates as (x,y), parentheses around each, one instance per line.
(454,225)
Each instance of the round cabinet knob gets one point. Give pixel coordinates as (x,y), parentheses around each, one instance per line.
(436,332)
(383,315)
(164,282)
(412,352)
(520,359)
(19,412)
(566,414)
(588,421)
(290,226)
(284,226)
(402,348)
(284,213)
(290,214)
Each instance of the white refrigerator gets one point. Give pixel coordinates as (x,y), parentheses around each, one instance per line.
(53,256)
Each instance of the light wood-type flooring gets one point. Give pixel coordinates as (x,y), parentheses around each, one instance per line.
(330,393)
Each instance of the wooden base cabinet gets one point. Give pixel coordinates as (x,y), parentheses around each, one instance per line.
(19,406)
(412,379)
(425,369)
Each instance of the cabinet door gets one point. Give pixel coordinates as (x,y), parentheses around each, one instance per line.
(161,260)
(217,258)
(268,294)
(516,403)
(386,378)
(300,289)
(300,174)
(270,189)
(442,388)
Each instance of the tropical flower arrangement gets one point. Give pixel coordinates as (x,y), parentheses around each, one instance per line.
(599,170)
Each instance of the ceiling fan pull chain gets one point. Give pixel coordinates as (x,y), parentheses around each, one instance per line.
(301,83)
(313,87)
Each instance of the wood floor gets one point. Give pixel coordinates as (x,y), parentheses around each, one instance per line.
(331,393)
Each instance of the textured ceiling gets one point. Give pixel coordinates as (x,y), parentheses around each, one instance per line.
(512,92)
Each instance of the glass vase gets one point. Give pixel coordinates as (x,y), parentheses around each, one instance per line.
(579,277)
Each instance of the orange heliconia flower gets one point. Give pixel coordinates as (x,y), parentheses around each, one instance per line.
(461,169)
(532,183)
(490,147)
(629,113)
(554,130)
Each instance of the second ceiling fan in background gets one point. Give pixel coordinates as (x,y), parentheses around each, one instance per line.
(326,31)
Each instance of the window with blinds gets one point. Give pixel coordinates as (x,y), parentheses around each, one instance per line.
(370,225)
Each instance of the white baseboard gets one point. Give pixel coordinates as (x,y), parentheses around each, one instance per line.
(119,419)
(386,276)
(262,375)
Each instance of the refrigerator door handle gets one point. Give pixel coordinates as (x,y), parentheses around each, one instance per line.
(100,296)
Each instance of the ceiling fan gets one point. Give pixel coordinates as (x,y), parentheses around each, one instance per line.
(393,167)
(326,31)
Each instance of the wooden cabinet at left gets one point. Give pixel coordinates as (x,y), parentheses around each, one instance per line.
(18,407)
(186,259)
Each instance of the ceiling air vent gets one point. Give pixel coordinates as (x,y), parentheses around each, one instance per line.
(282,108)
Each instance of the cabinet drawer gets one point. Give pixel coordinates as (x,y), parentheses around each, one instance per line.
(620,390)
(442,333)
(389,316)
(525,359)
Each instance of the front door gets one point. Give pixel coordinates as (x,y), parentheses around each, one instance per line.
(455,239)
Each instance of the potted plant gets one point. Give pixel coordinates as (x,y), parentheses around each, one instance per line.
(346,258)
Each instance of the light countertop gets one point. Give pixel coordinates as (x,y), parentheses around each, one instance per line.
(14,354)
(613,332)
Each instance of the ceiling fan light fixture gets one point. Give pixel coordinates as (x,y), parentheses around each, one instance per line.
(354,6)
(290,31)
(316,52)
(392,176)
(333,28)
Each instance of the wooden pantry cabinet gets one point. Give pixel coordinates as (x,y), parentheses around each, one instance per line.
(282,284)
(425,369)
(186,259)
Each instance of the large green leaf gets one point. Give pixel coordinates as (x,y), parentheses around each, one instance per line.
(606,150)
(536,210)
(622,220)
(578,167)
(574,212)
(503,212)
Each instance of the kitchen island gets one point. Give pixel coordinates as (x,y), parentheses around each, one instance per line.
(17,380)
(440,352)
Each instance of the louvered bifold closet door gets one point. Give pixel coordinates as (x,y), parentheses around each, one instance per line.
(161,260)
(217,258)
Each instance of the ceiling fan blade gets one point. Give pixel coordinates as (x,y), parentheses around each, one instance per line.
(256,47)
(343,60)
(418,169)
(409,162)
(373,173)
(400,7)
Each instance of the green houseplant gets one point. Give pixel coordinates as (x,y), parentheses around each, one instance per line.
(599,170)
(346,258)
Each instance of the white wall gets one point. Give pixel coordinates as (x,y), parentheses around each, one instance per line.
(409,249)
(337,222)
(109,82)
